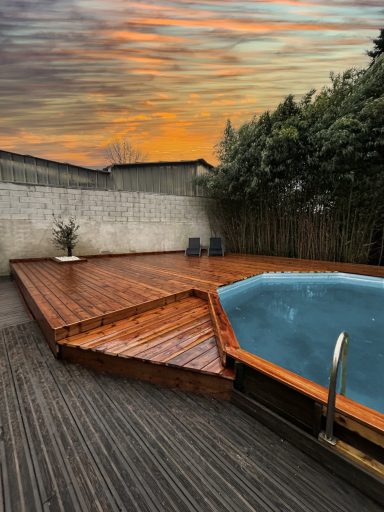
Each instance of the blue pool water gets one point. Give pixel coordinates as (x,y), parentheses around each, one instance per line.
(294,319)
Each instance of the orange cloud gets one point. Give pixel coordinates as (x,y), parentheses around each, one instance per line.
(166,74)
(245,25)
(125,35)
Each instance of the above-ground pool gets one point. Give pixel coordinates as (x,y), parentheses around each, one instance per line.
(293,320)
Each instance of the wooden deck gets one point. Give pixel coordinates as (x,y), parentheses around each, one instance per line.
(122,313)
(68,299)
(158,318)
(177,334)
(177,340)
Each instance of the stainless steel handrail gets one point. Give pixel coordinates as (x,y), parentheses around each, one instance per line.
(341,349)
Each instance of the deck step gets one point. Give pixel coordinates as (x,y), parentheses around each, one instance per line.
(178,335)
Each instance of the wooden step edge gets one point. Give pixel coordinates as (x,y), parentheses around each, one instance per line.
(222,327)
(187,379)
(110,331)
(228,373)
(93,323)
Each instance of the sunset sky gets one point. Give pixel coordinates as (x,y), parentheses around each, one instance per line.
(76,74)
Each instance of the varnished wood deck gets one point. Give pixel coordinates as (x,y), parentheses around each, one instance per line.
(70,297)
(114,312)
(178,336)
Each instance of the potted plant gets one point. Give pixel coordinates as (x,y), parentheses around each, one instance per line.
(65,236)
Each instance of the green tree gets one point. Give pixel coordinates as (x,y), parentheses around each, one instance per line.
(378,49)
(226,144)
(307,179)
(64,234)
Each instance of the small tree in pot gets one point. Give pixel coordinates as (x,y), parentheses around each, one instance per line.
(64,234)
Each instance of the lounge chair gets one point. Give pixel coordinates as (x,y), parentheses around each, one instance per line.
(215,247)
(194,247)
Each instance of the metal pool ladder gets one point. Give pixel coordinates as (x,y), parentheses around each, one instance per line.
(341,349)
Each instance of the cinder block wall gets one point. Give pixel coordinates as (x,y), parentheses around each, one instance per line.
(109,221)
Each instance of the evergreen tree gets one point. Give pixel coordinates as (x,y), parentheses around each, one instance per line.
(311,166)
(378,49)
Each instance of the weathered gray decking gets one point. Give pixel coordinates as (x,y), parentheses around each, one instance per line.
(73,440)
(12,309)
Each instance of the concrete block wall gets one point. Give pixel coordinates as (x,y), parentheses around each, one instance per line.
(110,221)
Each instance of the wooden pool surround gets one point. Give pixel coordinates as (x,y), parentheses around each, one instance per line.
(108,295)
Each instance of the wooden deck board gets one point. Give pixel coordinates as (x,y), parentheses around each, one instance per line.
(178,334)
(133,322)
(12,309)
(163,350)
(80,293)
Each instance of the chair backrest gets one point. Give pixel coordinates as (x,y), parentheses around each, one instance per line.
(215,243)
(194,243)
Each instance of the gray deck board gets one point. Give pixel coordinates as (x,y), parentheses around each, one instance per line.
(71,439)
(12,309)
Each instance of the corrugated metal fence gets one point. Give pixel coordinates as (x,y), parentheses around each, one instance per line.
(178,180)
(16,168)
(172,179)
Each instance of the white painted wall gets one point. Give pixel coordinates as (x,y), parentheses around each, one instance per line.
(109,221)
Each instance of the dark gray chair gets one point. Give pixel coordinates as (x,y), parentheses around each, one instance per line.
(194,247)
(215,247)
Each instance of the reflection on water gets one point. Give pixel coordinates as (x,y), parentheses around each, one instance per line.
(280,303)
(296,324)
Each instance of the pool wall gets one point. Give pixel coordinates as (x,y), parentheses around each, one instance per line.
(298,400)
